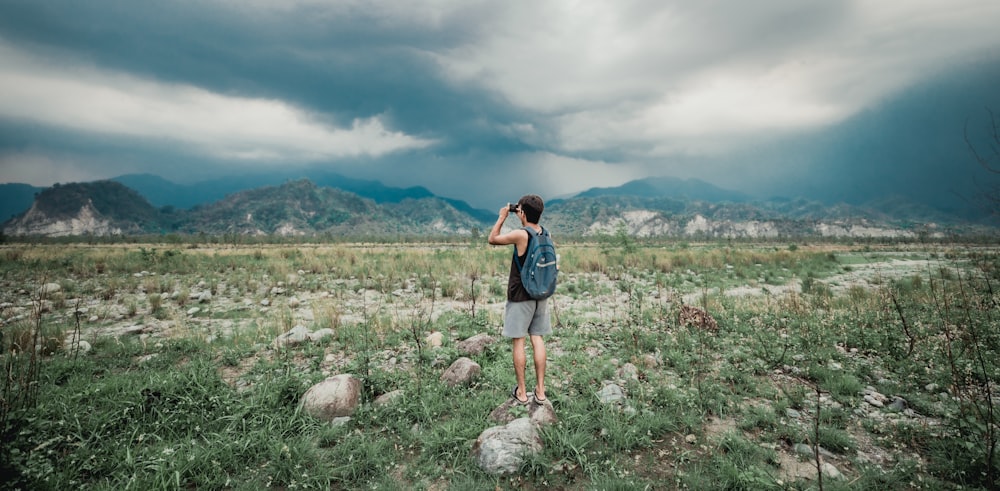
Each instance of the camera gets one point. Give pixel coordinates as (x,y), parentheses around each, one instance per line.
(512,207)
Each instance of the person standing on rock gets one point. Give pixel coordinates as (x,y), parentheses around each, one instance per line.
(523,316)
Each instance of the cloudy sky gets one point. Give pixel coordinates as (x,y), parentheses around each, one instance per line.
(481,101)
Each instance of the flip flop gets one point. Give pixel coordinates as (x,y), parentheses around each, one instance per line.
(537,399)
(513,395)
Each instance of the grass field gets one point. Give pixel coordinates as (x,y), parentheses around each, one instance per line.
(875,364)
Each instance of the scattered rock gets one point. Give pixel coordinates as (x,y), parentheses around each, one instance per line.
(627,371)
(540,413)
(50,288)
(697,317)
(806,450)
(205,296)
(388,397)
(192,311)
(294,337)
(334,397)
(611,393)
(79,347)
(829,470)
(321,334)
(476,344)
(898,405)
(793,414)
(461,372)
(294,302)
(434,339)
(502,449)
(690,439)
(874,398)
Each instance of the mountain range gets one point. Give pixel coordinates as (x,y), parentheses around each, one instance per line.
(356,208)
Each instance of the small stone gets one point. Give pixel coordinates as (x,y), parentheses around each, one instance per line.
(873,401)
(829,470)
(50,288)
(791,413)
(434,339)
(691,439)
(898,405)
(611,393)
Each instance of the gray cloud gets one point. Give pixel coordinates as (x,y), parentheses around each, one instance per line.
(469,98)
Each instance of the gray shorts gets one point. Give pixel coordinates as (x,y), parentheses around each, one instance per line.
(523,318)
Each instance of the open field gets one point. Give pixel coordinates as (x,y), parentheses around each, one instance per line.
(157,366)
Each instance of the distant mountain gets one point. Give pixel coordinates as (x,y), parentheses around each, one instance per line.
(97,208)
(162,192)
(780,218)
(671,187)
(302,208)
(15,198)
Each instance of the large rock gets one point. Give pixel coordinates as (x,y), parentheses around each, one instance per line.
(540,413)
(476,344)
(611,393)
(434,339)
(461,372)
(294,337)
(50,288)
(335,397)
(502,449)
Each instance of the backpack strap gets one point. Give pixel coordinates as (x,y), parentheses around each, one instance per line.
(531,233)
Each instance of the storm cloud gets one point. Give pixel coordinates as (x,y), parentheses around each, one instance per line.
(484,101)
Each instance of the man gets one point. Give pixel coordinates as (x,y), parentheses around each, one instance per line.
(524,316)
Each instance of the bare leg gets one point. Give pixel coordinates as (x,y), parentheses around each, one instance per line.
(538,353)
(520,360)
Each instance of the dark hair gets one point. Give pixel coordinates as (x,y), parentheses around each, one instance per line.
(532,205)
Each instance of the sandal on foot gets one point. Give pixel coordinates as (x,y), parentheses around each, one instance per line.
(537,399)
(513,395)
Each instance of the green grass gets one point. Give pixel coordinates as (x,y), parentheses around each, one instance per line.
(705,411)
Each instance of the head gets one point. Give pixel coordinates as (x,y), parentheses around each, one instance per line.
(532,206)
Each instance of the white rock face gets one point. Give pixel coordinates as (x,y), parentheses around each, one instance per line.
(649,223)
(846,230)
(87,221)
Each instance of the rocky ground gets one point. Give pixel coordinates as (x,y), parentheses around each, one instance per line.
(290,314)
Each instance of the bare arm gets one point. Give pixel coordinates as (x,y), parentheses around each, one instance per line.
(517,237)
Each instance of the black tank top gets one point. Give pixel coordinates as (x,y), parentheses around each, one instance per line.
(515,289)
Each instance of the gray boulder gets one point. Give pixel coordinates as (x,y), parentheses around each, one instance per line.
(611,393)
(476,344)
(540,413)
(502,449)
(335,397)
(388,397)
(434,339)
(294,337)
(321,334)
(50,288)
(461,372)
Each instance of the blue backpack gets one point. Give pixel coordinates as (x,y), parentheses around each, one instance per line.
(539,271)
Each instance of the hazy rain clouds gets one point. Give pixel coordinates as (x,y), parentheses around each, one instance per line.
(466,98)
